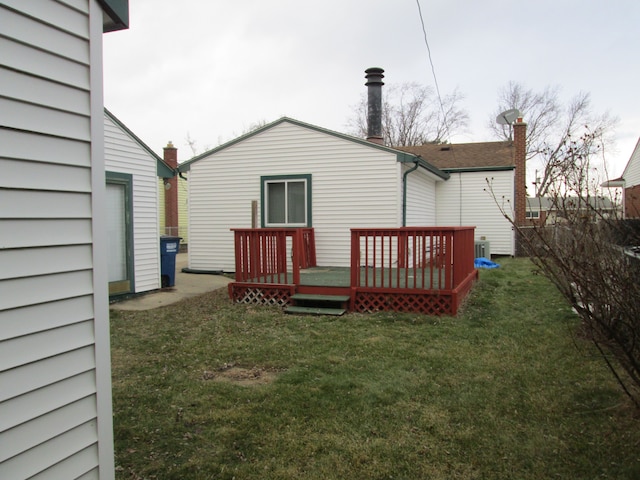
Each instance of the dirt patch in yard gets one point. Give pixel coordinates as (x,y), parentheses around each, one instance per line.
(241,376)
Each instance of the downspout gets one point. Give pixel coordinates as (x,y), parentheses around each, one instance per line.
(416,163)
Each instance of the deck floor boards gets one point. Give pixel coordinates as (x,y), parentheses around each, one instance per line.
(341,277)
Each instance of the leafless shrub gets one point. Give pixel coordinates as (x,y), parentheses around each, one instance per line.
(586,250)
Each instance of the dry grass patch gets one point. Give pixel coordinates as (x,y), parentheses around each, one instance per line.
(241,376)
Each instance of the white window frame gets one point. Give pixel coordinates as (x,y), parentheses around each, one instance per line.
(286,180)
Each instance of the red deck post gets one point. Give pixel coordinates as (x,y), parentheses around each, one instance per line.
(355,258)
(297,247)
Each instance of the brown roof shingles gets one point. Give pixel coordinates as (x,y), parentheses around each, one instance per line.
(483,155)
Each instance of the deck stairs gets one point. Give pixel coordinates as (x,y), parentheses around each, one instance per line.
(313,304)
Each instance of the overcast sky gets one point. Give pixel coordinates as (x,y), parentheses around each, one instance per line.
(209,69)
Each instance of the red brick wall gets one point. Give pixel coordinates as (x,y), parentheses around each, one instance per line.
(632,202)
(171,195)
(520,187)
(520,149)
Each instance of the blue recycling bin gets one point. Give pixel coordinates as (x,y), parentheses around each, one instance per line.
(169,247)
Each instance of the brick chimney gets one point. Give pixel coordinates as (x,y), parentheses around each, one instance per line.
(520,154)
(171,193)
(374,85)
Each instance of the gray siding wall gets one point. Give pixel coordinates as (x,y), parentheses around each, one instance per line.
(465,200)
(124,155)
(54,364)
(353,186)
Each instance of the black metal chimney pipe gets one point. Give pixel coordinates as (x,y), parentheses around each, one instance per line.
(374,84)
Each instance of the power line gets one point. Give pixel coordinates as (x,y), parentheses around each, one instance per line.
(444,114)
(433,71)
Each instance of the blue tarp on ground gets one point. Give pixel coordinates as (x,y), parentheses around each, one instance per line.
(484,263)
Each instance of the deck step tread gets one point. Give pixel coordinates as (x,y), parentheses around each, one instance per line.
(315,310)
(320,298)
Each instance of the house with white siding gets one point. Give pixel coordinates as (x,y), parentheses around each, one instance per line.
(480,189)
(55,376)
(292,174)
(132,171)
(630,183)
(300,175)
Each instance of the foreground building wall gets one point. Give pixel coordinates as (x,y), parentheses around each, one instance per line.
(126,157)
(55,395)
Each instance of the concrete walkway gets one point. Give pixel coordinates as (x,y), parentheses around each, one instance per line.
(186,285)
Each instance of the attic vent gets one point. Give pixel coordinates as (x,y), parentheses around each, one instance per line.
(445,149)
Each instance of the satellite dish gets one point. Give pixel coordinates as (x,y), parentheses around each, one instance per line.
(508,117)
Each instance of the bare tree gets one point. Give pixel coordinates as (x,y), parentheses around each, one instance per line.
(193,144)
(585,251)
(412,115)
(551,126)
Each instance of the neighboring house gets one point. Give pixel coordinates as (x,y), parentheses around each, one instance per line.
(549,210)
(55,376)
(630,182)
(538,209)
(292,174)
(132,209)
(173,200)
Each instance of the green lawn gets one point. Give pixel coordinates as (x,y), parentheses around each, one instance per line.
(205,389)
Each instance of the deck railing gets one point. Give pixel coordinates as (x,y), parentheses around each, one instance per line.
(417,258)
(273,255)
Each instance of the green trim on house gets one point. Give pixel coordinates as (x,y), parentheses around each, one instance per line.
(266,178)
(479,169)
(402,157)
(162,169)
(117,17)
(126,179)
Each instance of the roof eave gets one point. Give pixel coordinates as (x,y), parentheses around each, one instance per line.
(162,169)
(402,157)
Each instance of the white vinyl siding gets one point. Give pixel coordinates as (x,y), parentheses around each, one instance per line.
(354,185)
(421,199)
(465,200)
(54,359)
(631,172)
(123,154)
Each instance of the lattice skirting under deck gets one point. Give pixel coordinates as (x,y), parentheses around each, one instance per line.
(430,304)
(277,295)
(363,301)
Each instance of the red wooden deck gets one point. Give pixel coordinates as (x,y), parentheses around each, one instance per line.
(409,269)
